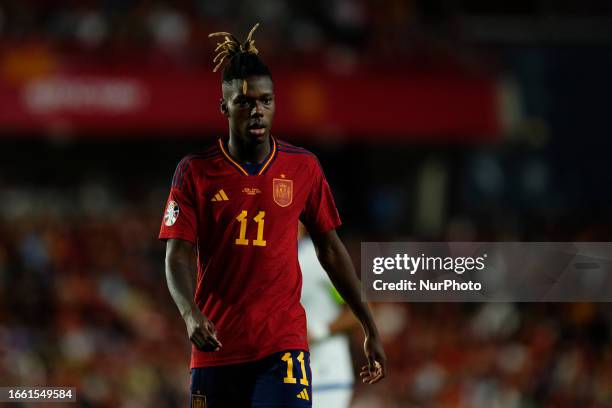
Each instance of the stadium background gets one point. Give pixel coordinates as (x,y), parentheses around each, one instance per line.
(434,120)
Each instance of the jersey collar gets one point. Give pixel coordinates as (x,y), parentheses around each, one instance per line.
(241,168)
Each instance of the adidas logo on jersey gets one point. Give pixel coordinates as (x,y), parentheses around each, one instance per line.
(220,196)
(303,395)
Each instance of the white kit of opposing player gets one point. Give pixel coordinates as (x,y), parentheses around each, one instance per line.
(330,359)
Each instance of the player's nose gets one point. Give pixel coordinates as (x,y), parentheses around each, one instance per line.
(256,110)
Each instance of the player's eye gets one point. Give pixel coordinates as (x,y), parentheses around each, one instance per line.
(267,100)
(242,103)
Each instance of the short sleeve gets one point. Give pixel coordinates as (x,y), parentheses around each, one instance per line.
(320,214)
(180,216)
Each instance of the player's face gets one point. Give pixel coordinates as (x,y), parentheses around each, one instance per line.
(250,115)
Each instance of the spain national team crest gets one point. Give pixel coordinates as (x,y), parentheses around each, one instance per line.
(282,191)
(172,213)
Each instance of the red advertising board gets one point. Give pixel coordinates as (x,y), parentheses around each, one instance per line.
(145,100)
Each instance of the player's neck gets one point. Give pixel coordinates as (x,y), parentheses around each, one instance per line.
(254,153)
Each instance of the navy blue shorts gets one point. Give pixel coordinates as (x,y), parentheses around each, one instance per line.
(280,380)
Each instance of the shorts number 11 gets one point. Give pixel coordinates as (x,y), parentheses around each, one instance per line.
(290,379)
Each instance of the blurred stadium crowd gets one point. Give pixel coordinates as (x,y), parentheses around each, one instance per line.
(182,27)
(83,300)
(415,29)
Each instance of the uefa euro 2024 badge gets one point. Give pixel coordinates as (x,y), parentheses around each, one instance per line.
(172,213)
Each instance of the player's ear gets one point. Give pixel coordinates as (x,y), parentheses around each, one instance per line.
(224,109)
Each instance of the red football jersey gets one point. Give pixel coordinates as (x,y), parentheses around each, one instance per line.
(245,228)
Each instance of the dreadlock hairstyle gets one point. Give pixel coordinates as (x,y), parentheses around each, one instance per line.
(239,60)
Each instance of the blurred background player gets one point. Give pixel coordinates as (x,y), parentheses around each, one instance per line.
(329,323)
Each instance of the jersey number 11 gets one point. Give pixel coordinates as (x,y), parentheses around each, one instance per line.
(259,219)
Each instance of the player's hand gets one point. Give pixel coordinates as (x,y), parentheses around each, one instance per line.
(201,331)
(377,361)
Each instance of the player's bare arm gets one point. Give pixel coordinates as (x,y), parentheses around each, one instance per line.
(337,263)
(345,322)
(181,277)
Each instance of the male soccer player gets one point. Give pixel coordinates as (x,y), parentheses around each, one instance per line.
(238,204)
(329,322)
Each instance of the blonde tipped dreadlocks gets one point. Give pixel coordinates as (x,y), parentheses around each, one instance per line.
(239,61)
(231,46)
